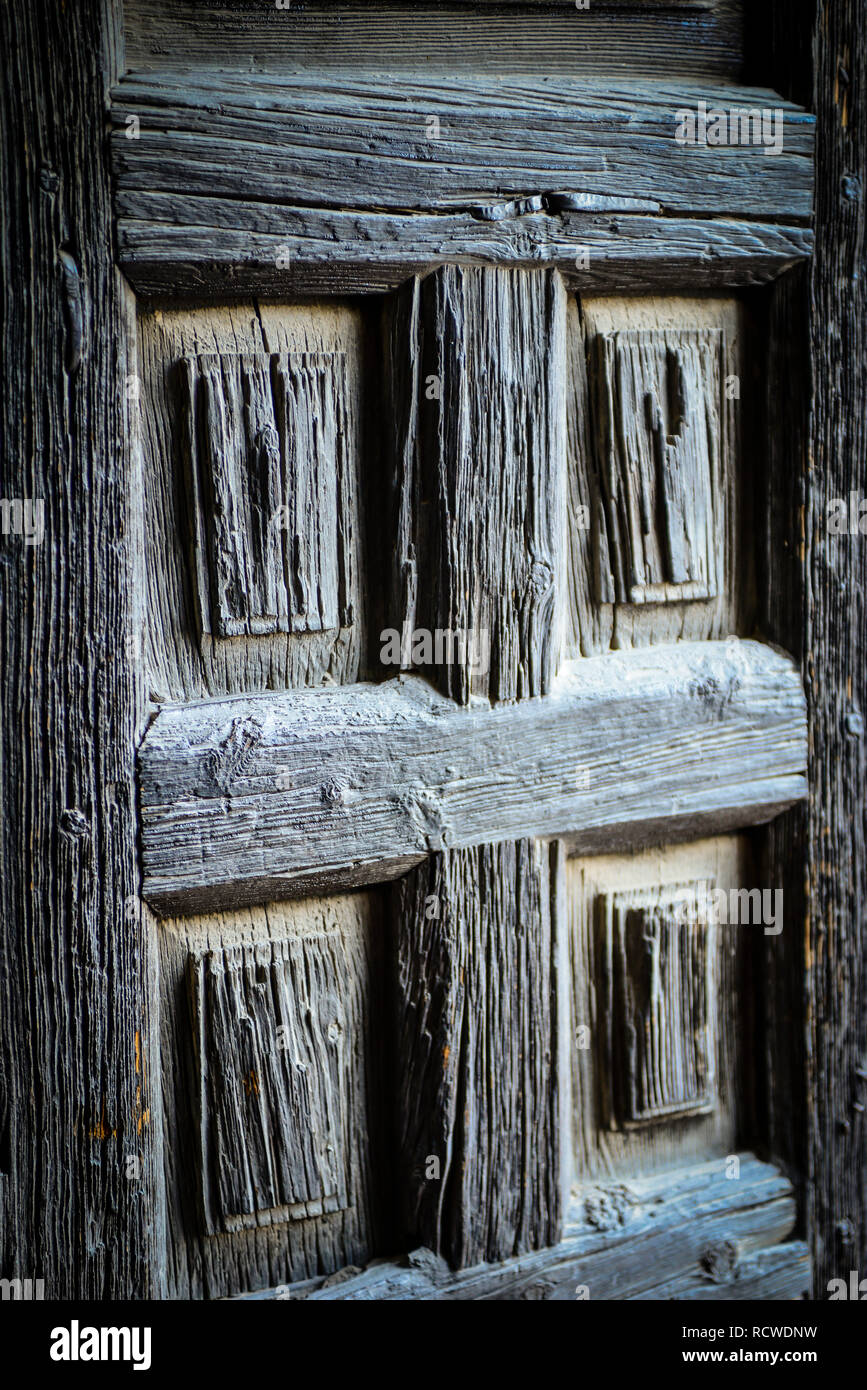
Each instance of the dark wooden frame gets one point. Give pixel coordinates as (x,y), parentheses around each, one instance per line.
(75,981)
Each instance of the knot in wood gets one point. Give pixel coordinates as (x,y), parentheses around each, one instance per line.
(719,1261)
(331,793)
(74,823)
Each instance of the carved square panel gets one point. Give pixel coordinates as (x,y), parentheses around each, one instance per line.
(274,1054)
(659,421)
(657,1006)
(271,511)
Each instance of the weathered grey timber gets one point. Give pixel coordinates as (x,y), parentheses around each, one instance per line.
(244,800)
(391,36)
(274,1069)
(475,376)
(477,1045)
(215,249)
(272,493)
(682,1234)
(79,1111)
(355,188)
(619,526)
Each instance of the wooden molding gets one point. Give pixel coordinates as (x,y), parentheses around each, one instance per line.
(338,787)
(686,1234)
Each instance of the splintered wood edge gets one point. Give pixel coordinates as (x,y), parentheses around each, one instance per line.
(689,1230)
(354,785)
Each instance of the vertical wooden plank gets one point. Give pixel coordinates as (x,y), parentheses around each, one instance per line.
(477,374)
(78,1174)
(817,406)
(476,368)
(479,1136)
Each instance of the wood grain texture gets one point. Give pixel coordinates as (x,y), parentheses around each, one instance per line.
(203,546)
(272,495)
(217,248)
(817,403)
(352,786)
(656,988)
(477,1050)
(360,184)
(274,1030)
(616,481)
(364,143)
(617,1013)
(317,970)
(476,389)
(76,1096)
(690,1230)
(659,417)
(393,36)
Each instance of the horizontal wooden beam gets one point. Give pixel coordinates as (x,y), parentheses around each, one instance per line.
(688,1234)
(211,247)
(277,183)
(392,35)
(245,800)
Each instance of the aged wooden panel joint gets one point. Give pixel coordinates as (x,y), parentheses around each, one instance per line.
(269,490)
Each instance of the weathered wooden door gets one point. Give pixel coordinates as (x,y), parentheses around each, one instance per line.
(453,445)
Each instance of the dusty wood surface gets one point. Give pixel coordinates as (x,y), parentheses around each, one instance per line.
(253,798)
(694,1230)
(608,1139)
(599,472)
(79,1111)
(182,660)
(606,37)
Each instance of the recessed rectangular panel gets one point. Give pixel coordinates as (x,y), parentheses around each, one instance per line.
(656,991)
(269,490)
(273,1032)
(658,423)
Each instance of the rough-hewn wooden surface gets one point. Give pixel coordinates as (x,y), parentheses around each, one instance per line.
(476,398)
(359,185)
(594,626)
(182,661)
(477,1051)
(244,800)
(317,970)
(817,1066)
(365,143)
(680,1234)
(217,249)
(605,1143)
(605,37)
(77,1105)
